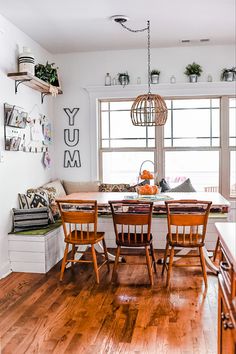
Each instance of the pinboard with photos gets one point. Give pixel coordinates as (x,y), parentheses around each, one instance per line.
(24,132)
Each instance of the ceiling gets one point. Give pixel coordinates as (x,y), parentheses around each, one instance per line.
(83,25)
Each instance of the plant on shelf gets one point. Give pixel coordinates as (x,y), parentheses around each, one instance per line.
(228,74)
(155,76)
(47,73)
(123,78)
(193,71)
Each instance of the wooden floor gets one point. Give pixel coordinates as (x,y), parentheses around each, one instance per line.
(38,314)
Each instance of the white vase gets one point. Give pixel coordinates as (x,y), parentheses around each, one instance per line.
(26,61)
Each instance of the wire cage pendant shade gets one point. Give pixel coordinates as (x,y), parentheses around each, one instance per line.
(147,109)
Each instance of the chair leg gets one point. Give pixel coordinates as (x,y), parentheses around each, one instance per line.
(165,257)
(216,249)
(172,252)
(63,264)
(95,263)
(203,265)
(72,257)
(116,263)
(149,266)
(106,254)
(153,257)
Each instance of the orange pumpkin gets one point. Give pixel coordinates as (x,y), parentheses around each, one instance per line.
(146,175)
(147,190)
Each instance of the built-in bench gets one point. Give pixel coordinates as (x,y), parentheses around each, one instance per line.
(36,251)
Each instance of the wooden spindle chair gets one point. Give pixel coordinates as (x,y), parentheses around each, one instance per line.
(79,221)
(132,225)
(187,224)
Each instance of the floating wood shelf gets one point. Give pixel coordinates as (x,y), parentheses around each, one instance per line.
(32,81)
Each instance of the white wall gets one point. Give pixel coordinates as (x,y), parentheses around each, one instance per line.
(80,70)
(19,170)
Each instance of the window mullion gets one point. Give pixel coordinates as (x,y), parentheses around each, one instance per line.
(224,153)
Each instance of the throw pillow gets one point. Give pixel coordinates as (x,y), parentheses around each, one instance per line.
(186,186)
(134,187)
(30,219)
(164,186)
(38,199)
(35,200)
(114,187)
(75,187)
(51,194)
(60,191)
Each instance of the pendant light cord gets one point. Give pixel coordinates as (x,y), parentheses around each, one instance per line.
(148,47)
(149,59)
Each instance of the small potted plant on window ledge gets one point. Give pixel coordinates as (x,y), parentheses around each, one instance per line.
(155,76)
(123,78)
(193,71)
(228,74)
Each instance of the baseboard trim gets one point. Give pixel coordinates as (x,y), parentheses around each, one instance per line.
(5,270)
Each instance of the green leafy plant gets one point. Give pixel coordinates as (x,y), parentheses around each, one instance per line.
(193,69)
(155,72)
(225,73)
(123,78)
(47,73)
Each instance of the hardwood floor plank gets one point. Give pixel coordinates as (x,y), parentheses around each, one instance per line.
(43,315)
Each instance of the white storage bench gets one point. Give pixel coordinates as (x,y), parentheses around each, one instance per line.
(36,253)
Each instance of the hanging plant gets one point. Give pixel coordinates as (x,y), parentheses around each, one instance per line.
(47,73)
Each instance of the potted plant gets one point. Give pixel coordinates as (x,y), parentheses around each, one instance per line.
(228,74)
(193,71)
(155,76)
(47,73)
(123,78)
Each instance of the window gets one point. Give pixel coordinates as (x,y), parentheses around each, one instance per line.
(123,147)
(193,122)
(192,142)
(117,131)
(232,144)
(188,146)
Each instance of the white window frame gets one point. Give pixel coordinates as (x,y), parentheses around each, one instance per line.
(168,91)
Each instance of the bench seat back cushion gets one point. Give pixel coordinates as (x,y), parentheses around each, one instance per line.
(77,187)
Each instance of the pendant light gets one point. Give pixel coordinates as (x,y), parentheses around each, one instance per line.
(147,109)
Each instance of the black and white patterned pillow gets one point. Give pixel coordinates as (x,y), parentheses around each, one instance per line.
(33,200)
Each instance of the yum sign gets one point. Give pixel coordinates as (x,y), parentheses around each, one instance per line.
(71,139)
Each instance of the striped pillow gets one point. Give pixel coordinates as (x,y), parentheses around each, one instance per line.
(30,219)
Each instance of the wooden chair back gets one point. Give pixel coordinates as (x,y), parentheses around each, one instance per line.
(79,219)
(187,221)
(132,221)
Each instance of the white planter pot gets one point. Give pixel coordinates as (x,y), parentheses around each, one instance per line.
(155,79)
(192,78)
(229,76)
